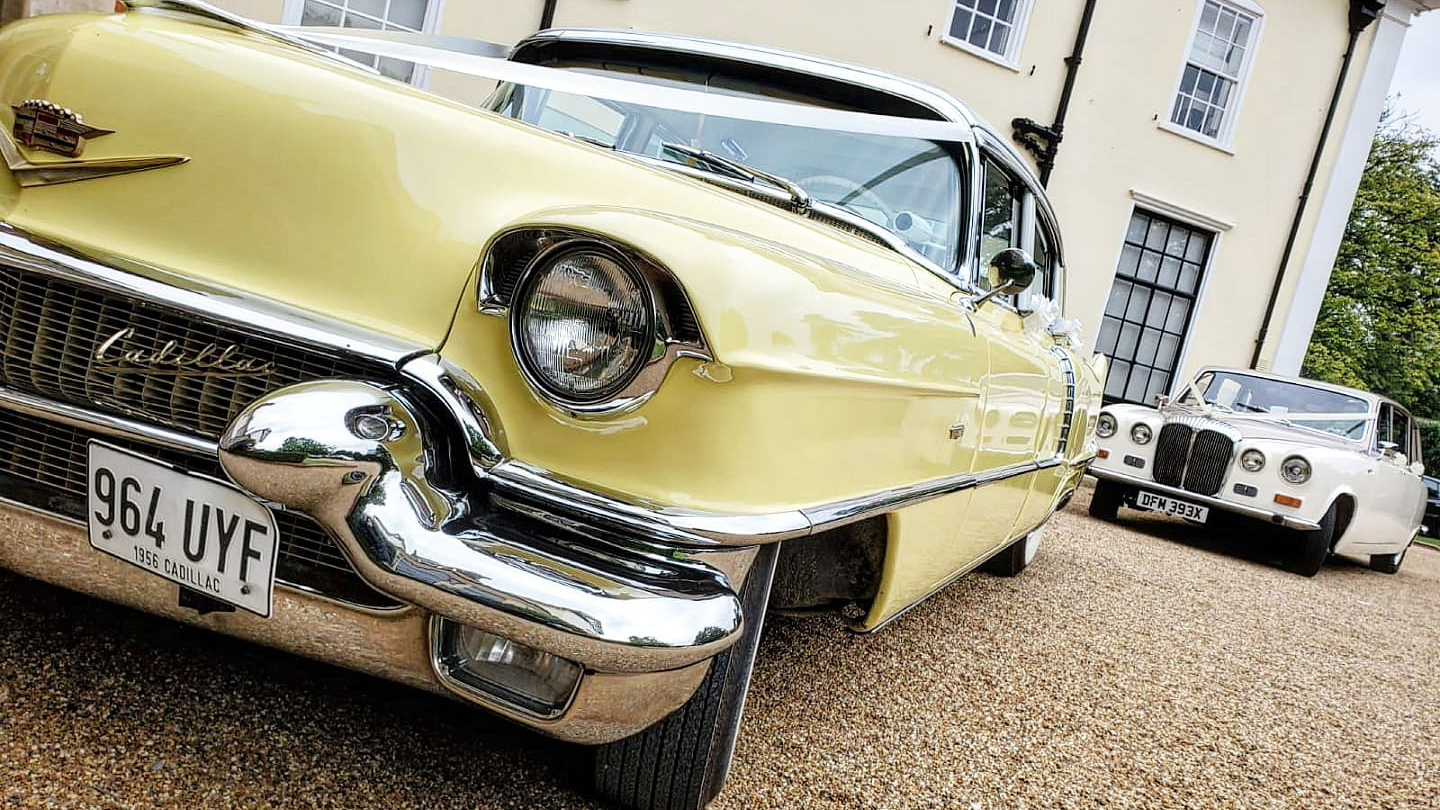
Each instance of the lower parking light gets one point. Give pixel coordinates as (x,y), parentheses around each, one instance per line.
(502,670)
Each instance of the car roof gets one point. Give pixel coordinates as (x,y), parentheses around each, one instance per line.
(569,42)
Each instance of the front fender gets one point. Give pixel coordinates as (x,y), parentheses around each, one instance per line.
(829,381)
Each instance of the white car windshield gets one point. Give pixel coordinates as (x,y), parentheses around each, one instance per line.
(1287,401)
(909,186)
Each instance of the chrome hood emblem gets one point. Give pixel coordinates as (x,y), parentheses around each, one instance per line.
(212,359)
(44,125)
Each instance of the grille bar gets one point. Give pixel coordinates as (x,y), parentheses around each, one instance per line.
(1195,457)
(54,327)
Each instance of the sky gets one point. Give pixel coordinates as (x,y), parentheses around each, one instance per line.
(1417,78)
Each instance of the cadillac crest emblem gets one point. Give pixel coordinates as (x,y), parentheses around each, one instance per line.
(44,125)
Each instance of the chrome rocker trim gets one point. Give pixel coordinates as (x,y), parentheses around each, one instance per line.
(1288,521)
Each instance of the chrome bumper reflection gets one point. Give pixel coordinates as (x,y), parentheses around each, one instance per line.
(1288,521)
(356,458)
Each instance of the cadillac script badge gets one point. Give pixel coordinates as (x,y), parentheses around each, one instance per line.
(44,125)
(212,359)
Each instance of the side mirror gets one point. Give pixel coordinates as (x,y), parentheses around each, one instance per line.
(1012,271)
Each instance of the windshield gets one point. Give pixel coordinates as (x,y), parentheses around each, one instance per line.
(906,185)
(1287,401)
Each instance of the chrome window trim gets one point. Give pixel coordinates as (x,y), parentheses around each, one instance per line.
(165,288)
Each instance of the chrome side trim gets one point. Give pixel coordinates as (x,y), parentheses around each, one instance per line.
(711,528)
(527,482)
(1067,368)
(30,174)
(356,458)
(122,276)
(1289,521)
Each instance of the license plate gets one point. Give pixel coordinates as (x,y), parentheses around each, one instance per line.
(192,530)
(1172,506)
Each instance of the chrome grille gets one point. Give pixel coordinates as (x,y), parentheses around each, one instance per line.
(1209,460)
(1194,454)
(43,464)
(50,329)
(1172,448)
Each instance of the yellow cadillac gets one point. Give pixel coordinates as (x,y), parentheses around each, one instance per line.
(541,407)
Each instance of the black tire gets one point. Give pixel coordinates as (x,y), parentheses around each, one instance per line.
(1312,548)
(1389,563)
(1011,560)
(681,762)
(1106,500)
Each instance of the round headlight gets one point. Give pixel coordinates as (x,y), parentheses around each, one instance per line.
(1106,427)
(1140,433)
(582,324)
(1252,461)
(1295,469)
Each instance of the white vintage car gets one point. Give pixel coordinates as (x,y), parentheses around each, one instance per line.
(1337,466)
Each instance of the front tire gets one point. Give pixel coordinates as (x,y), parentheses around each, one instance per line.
(1106,500)
(1312,548)
(681,762)
(1015,557)
(1389,563)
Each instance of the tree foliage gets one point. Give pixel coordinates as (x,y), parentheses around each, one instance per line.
(1379,325)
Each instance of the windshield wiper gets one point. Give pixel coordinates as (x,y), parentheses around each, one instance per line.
(799,200)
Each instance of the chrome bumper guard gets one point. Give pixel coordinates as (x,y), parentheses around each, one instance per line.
(357,458)
(1288,521)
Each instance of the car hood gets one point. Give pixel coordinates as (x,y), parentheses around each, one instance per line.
(311,182)
(1260,429)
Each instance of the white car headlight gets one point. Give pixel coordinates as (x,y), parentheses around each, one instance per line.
(582,324)
(1140,433)
(1295,469)
(1252,461)
(1106,426)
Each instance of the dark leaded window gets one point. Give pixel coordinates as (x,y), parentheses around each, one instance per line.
(1150,306)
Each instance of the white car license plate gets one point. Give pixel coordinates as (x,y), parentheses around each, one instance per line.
(192,530)
(1172,506)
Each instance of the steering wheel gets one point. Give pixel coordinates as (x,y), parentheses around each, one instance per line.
(821,187)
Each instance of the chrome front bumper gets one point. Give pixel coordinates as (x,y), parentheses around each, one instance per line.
(391,644)
(1288,521)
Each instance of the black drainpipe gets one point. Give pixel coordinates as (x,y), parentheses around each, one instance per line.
(1043,141)
(547,15)
(1362,13)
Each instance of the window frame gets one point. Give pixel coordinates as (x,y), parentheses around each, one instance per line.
(1018,29)
(1225,140)
(293,10)
(1197,299)
(1034,213)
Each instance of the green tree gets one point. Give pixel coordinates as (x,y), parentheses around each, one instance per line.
(1379,325)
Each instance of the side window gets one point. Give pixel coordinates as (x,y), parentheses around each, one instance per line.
(999,216)
(1042,250)
(1382,426)
(1400,429)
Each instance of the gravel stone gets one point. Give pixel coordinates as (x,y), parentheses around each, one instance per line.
(1141,665)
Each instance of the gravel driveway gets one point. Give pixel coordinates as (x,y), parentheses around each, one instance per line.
(1135,666)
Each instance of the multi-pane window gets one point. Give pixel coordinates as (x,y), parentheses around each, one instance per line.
(1219,54)
(377,15)
(1151,305)
(989,26)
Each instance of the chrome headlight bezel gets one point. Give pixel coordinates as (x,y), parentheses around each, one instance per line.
(648,343)
(1141,433)
(1256,460)
(1301,472)
(1106,426)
